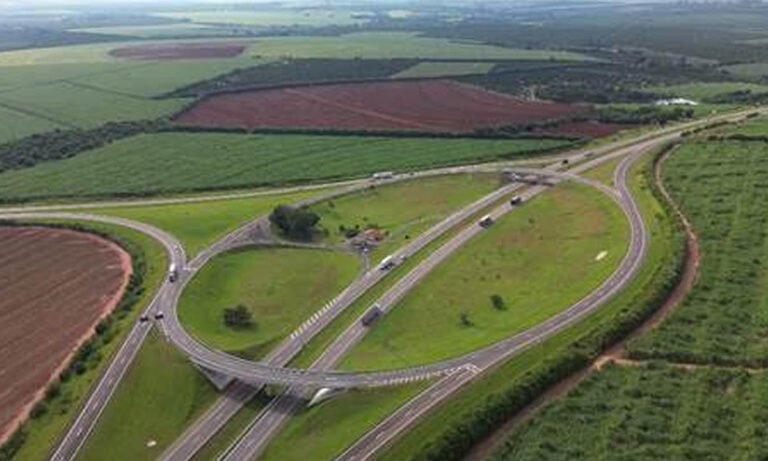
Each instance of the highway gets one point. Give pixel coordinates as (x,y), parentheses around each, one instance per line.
(258,373)
(399,421)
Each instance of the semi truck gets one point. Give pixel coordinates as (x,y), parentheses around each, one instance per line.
(387,263)
(383,175)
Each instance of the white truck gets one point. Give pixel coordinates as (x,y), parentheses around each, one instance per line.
(485,221)
(387,263)
(173,273)
(383,175)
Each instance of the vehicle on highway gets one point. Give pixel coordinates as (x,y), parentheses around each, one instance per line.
(383,175)
(173,273)
(387,263)
(144,318)
(159,315)
(516,200)
(372,315)
(485,221)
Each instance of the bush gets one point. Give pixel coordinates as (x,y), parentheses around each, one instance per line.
(498,302)
(238,317)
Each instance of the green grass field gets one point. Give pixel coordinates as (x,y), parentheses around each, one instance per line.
(553,241)
(439,69)
(42,433)
(15,125)
(753,127)
(199,224)
(177,162)
(282,287)
(753,70)
(327,429)
(158,31)
(395,45)
(278,17)
(663,245)
(702,91)
(651,414)
(403,210)
(159,396)
(721,187)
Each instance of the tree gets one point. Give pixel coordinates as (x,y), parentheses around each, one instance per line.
(238,317)
(498,302)
(295,223)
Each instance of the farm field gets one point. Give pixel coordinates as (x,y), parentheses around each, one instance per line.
(753,70)
(42,432)
(58,285)
(327,429)
(173,393)
(509,384)
(402,210)
(426,106)
(177,162)
(15,125)
(757,126)
(701,92)
(196,50)
(723,320)
(279,303)
(439,69)
(572,237)
(198,224)
(282,17)
(157,31)
(650,413)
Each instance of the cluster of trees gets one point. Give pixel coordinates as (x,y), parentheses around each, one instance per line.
(291,72)
(739,97)
(238,317)
(457,439)
(89,354)
(61,144)
(295,223)
(643,114)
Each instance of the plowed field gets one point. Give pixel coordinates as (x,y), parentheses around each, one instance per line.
(180,51)
(55,286)
(433,106)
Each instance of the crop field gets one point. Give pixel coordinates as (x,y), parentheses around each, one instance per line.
(173,393)
(433,106)
(572,238)
(721,187)
(755,70)
(198,224)
(57,284)
(316,17)
(327,429)
(402,210)
(299,282)
(162,51)
(753,127)
(15,125)
(703,91)
(439,69)
(176,162)
(649,414)
(180,29)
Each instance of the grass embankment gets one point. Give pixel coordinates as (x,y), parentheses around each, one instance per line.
(281,287)
(456,425)
(326,429)
(178,162)
(41,433)
(159,396)
(199,224)
(403,210)
(721,188)
(571,237)
(651,413)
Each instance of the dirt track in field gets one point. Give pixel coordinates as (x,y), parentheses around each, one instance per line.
(427,106)
(55,286)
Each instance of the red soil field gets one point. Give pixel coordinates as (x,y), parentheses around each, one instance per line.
(433,106)
(180,51)
(55,286)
